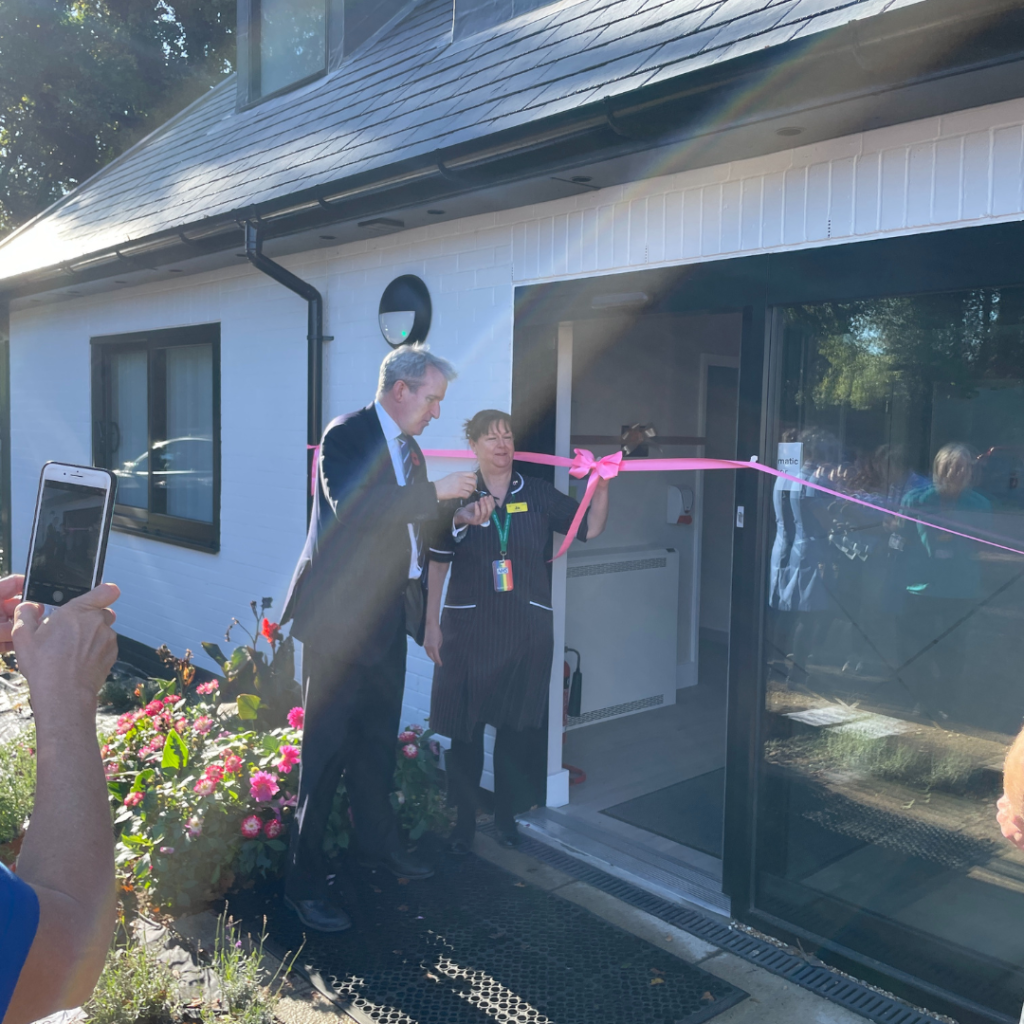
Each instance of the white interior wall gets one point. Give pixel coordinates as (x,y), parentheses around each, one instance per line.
(648,370)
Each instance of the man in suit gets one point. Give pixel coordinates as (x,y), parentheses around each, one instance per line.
(367,540)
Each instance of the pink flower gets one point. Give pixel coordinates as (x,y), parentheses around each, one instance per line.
(154,707)
(134,799)
(232,763)
(411,751)
(167,850)
(273,828)
(296,717)
(418,729)
(289,757)
(168,701)
(211,687)
(251,826)
(125,722)
(194,828)
(262,786)
(407,737)
(203,724)
(435,748)
(205,786)
(214,772)
(105,750)
(110,770)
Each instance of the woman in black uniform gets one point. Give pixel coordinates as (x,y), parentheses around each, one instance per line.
(497,627)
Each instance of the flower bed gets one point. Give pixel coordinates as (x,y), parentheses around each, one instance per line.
(203,801)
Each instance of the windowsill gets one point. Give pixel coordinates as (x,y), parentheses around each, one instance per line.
(283,91)
(150,533)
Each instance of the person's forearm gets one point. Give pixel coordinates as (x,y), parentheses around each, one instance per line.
(598,516)
(438,572)
(69,845)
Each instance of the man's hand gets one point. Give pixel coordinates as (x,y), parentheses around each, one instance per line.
(455,485)
(476,514)
(432,640)
(69,654)
(1010,824)
(10,595)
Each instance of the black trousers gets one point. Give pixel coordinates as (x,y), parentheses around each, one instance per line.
(351,727)
(520,775)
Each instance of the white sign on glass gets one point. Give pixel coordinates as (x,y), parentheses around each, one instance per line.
(789,460)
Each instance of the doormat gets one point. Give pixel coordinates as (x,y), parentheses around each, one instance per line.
(690,813)
(475,944)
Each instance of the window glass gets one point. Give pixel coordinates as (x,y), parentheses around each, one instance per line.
(183,463)
(292,41)
(129,441)
(894,649)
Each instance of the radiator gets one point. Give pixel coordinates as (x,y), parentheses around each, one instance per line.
(622,615)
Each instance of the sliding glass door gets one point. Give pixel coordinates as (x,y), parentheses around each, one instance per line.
(893,648)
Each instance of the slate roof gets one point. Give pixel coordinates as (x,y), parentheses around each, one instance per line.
(407,94)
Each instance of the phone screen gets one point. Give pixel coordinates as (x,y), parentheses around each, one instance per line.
(67,541)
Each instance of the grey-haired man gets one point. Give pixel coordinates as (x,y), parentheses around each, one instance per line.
(373,513)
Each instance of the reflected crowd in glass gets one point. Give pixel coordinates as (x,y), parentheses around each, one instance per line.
(894,649)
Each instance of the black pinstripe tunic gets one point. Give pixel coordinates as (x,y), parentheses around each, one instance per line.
(497,647)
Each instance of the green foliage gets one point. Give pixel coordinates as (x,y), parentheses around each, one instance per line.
(247,996)
(418,797)
(135,986)
(267,685)
(81,80)
(17,783)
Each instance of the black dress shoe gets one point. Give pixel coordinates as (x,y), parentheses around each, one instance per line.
(510,838)
(320,915)
(404,864)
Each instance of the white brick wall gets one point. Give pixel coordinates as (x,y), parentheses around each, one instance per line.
(961,169)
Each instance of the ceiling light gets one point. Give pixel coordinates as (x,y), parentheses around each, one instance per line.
(405,311)
(328,238)
(789,131)
(436,213)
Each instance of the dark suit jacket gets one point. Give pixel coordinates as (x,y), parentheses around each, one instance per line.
(347,596)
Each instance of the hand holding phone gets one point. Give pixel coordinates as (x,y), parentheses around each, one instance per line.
(69,532)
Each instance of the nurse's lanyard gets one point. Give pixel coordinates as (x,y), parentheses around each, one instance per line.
(502,567)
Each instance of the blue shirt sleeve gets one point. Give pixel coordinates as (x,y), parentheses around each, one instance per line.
(19,918)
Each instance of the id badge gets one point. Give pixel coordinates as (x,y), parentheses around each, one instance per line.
(502,568)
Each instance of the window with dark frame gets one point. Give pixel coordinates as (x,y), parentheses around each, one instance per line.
(283,44)
(156,424)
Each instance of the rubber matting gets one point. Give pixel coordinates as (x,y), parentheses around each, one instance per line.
(475,944)
(690,813)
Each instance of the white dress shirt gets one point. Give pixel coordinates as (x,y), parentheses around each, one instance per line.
(392,431)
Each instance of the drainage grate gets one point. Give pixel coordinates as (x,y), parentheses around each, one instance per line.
(837,988)
(474,944)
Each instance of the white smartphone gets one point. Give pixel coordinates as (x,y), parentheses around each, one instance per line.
(69,532)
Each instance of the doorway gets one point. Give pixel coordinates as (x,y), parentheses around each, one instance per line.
(648,603)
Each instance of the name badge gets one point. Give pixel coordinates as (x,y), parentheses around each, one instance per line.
(502,569)
(516,506)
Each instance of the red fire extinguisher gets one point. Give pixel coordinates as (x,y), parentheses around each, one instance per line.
(572,686)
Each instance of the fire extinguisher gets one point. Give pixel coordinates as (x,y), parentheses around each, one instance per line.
(576,686)
(572,684)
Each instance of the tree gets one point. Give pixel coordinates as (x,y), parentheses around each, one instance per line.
(82,80)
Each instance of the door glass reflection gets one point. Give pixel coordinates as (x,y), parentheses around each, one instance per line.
(894,648)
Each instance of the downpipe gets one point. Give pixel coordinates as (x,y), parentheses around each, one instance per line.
(315,339)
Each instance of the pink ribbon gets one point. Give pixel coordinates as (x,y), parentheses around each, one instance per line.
(609,466)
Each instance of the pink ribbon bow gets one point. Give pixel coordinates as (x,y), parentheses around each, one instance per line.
(585,465)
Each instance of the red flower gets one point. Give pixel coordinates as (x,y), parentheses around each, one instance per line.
(250,827)
(273,828)
(134,799)
(271,630)
(415,457)
(154,707)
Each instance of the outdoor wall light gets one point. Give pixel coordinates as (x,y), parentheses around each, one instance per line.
(405,311)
